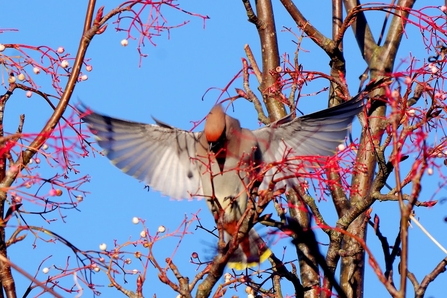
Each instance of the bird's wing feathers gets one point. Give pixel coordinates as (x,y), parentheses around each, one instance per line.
(162,156)
(316,134)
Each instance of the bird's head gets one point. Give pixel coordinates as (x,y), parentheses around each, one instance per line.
(215,128)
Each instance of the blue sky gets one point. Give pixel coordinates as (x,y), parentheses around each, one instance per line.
(171,85)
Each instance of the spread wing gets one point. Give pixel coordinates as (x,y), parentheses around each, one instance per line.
(163,157)
(316,134)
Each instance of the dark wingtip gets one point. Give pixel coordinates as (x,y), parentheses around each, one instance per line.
(83,110)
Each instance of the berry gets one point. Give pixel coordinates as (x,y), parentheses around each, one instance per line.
(408,80)
(64,64)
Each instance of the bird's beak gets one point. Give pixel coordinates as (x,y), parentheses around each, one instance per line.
(212,146)
(217,145)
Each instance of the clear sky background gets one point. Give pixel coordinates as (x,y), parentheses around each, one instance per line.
(171,85)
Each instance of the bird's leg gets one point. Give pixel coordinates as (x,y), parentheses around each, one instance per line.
(214,208)
(233,202)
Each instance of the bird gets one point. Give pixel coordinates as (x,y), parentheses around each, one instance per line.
(221,162)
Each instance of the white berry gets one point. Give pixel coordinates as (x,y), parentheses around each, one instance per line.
(64,64)
(60,50)
(88,68)
(2,47)
(103,246)
(21,77)
(29,94)
(135,220)
(124,42)
(408,80)
(46,270)
(11,80)
(143,234)
(227,277)
(161,229)
(84,77)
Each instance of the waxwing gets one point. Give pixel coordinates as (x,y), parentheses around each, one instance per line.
(222,161)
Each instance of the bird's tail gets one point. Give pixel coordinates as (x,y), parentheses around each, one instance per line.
(251,252)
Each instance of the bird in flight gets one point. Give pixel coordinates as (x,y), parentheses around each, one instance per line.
(221,162)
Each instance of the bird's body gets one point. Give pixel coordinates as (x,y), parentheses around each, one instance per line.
(227,166)
(222,161)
